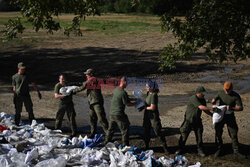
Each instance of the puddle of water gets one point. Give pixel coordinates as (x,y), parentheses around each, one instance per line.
(212,77)
(228,69)
(243,85)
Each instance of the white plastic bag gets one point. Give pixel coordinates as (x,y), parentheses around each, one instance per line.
(6,132)
(218,113)
(60,161)
(4,161)
(198,164)
(33,154)
(165,162)
(43,149)
(66,90)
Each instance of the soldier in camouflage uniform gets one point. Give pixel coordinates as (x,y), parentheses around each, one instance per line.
(65,105)
(193,121)
(20,83)
(233,101)
(96,102)
(118,117)
(151,116)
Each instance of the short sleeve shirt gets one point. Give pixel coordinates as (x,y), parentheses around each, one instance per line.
(232,99)
(193,113)
(66,99)
(94,95)
(21,82)
(152,98)
(119,100)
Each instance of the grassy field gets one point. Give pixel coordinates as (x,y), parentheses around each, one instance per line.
(103,26)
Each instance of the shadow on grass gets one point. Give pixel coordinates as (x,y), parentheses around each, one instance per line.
(45,64)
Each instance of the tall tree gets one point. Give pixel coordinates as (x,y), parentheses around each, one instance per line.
(221,27)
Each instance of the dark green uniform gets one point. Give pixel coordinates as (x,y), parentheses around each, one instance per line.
(229,119)
(21,82)
(65,105)
(96,112)
(118,116)
(152,119)
(192,121)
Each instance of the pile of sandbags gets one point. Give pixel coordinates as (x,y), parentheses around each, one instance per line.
(35,145)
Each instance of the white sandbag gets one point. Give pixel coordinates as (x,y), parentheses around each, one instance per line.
(60,161)
(6,146)
(102,155)
(43,149)
(198,164)
(116,157)
(33,154)
(165,162)
(218,114)
(27,135)
(34,123)
(13,138)
(4,161)
(18,158)
(66,90)
(6,133)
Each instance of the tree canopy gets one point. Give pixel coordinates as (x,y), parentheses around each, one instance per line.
(221,27)
(42,13)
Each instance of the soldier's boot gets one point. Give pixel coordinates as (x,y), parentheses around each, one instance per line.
(165,148)
(31,116)
(91,135)
(146,145)
(239,155)
(146,142)
(218,153)
(201,153)
(17,119)
(73,135)
(92,131)
(179,151)
(74,132)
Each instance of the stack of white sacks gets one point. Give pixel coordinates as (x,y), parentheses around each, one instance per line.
(36,145)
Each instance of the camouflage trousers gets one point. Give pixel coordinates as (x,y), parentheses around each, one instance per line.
(151,119)
(18,102)
(123,124)
(185,130)
(97,114)
(70,111)
(230,121)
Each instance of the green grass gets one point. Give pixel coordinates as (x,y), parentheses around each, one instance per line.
(4,20)
(118,27)
(109,25)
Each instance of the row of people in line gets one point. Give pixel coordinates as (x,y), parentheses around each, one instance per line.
(120,99)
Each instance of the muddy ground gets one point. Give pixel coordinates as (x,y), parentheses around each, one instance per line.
(134,56)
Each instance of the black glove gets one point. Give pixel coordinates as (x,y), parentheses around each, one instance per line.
(72,93)
(39,95)
(142,108)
